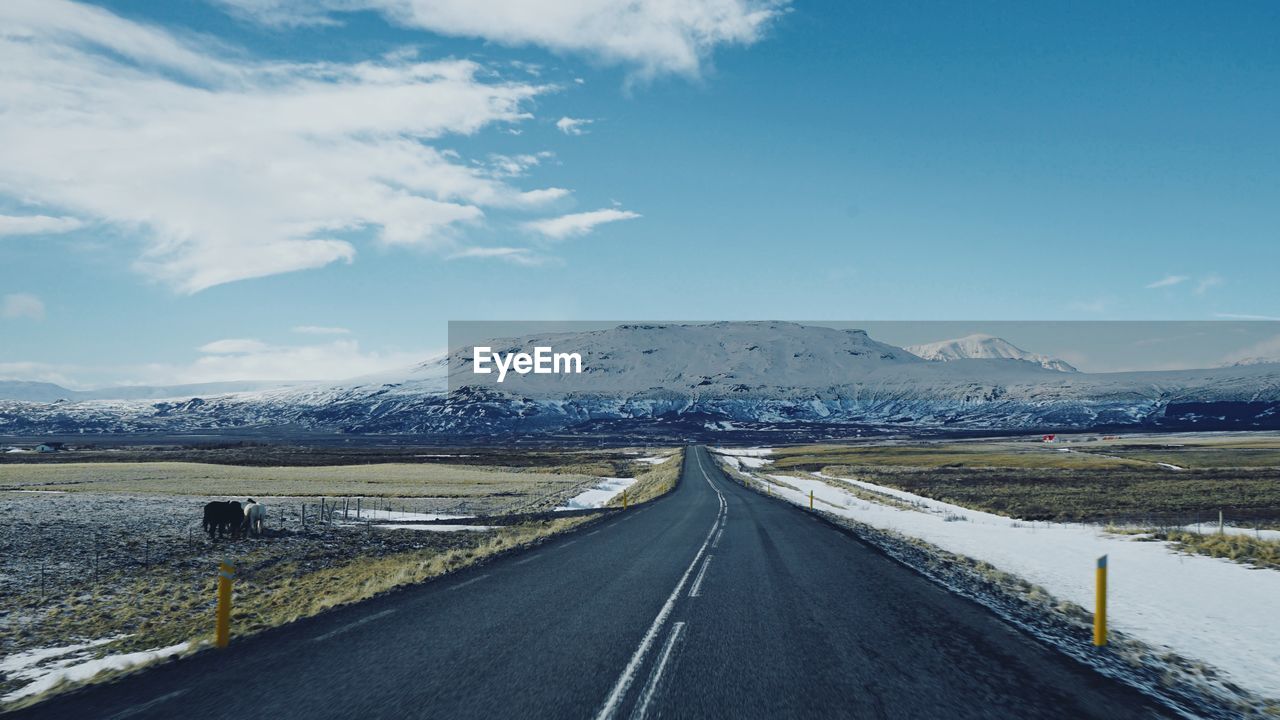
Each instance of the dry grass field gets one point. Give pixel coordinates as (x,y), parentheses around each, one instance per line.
(93,551)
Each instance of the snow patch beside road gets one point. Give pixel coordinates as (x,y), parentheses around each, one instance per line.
(45,668)
(1210,609)
(599,495)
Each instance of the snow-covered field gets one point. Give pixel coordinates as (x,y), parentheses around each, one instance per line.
(1208,609)
(374,515)
(599,495)
(655,460)
(433,528)
(744,458)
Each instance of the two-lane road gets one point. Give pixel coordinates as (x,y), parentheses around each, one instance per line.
(713,601)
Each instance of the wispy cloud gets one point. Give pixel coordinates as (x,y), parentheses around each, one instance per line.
(320,330)
(37,224)
(573,126)
(229,167)
(22,305)
(1167,281)
(651,38)
(1207,283)
(575,224)
(517,255)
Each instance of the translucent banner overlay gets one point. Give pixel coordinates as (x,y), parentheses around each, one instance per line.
(913,375)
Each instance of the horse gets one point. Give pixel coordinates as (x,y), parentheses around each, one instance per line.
(254,514)
(221,516)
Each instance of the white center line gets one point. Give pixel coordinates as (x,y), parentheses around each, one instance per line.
(353,625)
(143,707)
(628,673)
(525,560)
(646,695)
(465,583)
(696,589)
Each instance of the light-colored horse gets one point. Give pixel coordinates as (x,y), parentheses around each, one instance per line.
(254,514)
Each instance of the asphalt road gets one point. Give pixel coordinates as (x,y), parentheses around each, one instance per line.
(713,601)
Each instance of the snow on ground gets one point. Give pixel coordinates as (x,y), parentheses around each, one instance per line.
(744,458)
(655,460)
(42,669)
(599,495)
(433,528)
(1208,609)
(398,515)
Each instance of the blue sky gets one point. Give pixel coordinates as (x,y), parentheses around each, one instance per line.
(247,188)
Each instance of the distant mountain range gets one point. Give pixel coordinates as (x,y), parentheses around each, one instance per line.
(985,347)
(716,378)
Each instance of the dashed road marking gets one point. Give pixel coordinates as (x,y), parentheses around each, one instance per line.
(353,625)
(465,583)
(696,589)
(143,707)
(525,560)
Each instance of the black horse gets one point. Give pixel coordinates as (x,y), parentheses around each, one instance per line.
(222,516)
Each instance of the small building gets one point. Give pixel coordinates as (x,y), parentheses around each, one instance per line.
(48,447)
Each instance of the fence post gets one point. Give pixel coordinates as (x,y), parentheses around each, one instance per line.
(1100,604)
(226,576)
(1221,530)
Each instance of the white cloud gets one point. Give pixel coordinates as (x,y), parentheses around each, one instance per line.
(320,330)
(254,360)
(233,346)
(37,224)
(575,224)
(1167,281)
(509,166)
(519,256)
(227,167)
(22,305)
(228,360)
(651,36)
(573,126)
(1208,282)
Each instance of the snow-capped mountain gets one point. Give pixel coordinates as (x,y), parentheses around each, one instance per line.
(1245,362)
(719,375)
(986,347)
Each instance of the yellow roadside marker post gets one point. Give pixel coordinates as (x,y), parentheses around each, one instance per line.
(226,576)
(624,499)
(1100,605)
(810,499)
